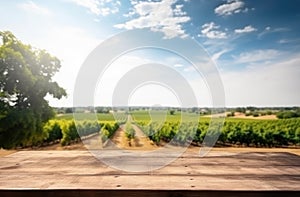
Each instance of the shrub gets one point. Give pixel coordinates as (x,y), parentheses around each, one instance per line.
(52,130)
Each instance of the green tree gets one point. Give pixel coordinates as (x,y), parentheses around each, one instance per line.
(172,112)
(287,114)
(129,131)
(25,79)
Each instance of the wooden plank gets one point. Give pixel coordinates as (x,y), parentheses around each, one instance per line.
(219,171)
(145,193)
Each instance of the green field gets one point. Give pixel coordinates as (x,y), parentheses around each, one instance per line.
(158,115)
(163,127)
(86,116)
(235,131)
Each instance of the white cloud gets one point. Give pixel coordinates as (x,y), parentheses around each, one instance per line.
(257,56)
(178,65)
(231,7)
(129,14)
(99,7)
(189,69)
(92,5)
(106,11)
(273,84)
(215,57)
(178,11)
(210,30)
(34,8)
(269,30)
(246,29)
(286,41)
(158,16)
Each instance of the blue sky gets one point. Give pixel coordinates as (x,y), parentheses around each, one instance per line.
(254,43)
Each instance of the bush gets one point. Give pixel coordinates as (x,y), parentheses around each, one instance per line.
(52,131)
(129,131)
(287,114)
(108,129)
(69,133)
(255,114)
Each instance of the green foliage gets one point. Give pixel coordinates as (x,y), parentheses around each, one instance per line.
(144,116)
(231,114)
(121,117)
(255,114)
(170,131)
(87,127)
(25,79)
(129,131)
(52,130)
(68,110)
(108,128)
(172,112)
(288,114)
(67,132)
(242,132)
(241,110)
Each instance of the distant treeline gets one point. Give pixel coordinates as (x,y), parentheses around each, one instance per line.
(280,112)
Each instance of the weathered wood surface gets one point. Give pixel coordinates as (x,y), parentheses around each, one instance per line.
(217,171)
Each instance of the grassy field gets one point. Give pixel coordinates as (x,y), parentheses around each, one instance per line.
(163,115)
(146,116)
(91,116)
(136,115)
(235,131)
(161,126)
(140,116)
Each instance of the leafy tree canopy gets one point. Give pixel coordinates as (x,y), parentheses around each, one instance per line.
(25,79)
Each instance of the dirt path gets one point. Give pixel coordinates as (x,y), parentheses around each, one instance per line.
(266,117)
(140,141)
(243,116)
